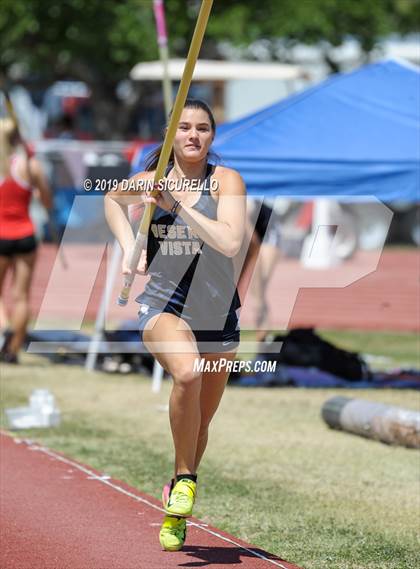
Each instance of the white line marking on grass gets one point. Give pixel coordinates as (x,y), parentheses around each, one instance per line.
(93,476)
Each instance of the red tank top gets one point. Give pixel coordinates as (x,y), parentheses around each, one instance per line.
(15,197)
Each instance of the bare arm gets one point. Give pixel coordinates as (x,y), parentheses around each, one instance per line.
(247,270)
(40,183)
(128,193)
(133,190)
(116,205)
(225,234)
(116,215)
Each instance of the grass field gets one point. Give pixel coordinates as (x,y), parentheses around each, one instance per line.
(273,474)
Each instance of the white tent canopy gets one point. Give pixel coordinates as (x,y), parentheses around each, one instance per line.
(209,70)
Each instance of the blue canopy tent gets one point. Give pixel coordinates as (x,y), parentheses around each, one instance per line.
(353,135)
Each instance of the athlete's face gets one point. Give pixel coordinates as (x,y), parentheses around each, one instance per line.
(194,135)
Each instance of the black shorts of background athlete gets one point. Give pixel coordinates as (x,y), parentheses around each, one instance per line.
(11,247)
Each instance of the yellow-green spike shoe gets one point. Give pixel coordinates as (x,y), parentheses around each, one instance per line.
(182,498)
(173,533)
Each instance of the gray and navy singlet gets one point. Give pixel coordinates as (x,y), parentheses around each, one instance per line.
(189,278)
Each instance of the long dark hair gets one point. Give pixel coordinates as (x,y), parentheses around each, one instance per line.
(153,158)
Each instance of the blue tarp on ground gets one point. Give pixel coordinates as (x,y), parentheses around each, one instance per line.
(293,376)
(355,134)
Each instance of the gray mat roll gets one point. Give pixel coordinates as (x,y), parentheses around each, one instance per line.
(386,423)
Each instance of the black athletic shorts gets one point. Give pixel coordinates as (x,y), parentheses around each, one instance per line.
(226,339)
(11,247)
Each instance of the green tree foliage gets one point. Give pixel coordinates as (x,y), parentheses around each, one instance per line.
(311,21)
(99,38)
(98,41)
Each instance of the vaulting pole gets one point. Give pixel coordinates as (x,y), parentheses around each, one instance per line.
(192,57)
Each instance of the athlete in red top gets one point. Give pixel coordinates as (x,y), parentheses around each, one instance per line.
(20,178)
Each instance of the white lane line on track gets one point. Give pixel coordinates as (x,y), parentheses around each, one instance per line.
(92,475)
(104,477)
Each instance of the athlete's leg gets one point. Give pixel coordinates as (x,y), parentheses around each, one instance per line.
(23,266)
(184,402)
(271,255)
(5,263)
(267,260)
(212,387)
(257,284)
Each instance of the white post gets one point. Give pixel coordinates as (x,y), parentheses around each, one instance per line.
(318,250)
(157,377)
(159,11)
(100,317)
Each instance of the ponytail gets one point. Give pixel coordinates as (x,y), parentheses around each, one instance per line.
(152,159)
(8,138)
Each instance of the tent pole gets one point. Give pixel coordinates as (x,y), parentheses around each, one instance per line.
(159,11)
(111,275)
(318,250)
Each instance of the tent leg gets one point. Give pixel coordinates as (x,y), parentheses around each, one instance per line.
(94,344)
(318,249)
(157,377)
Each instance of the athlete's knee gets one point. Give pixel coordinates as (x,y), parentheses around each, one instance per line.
(186,377)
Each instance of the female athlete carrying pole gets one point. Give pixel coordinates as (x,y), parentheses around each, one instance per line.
(188,310)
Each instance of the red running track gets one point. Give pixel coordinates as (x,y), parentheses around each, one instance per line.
(367,292)
(59,514)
